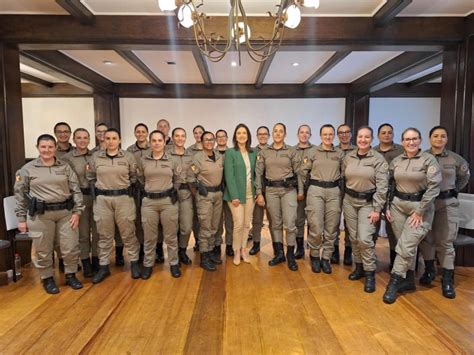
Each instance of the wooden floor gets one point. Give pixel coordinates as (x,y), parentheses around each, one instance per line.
(249,309)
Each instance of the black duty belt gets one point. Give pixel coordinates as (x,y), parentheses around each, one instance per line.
(213,188)
(288,182)
(443,195)
(58,206)
(366,195)
(417,196)
(86,191)
(324,184)
(158,195)
(183,187)
(119,192)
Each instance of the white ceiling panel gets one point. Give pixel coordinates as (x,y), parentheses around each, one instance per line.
(439,8)
(224,73)
(422,73)
(123,7)
(356,65)
(284,69)
(31,7)
(185,69)
(119,71)
(39,74)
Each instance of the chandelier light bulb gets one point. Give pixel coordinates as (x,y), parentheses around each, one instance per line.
(241,32)
(185,16)
(293,16)
(311,3)
(167,5)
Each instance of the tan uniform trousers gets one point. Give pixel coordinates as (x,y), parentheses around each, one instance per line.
(88,229)
(186,213)
(257,223)
(155,211)
(111,210)
(443,233)
(138,225)
(324,213)
(227,221)
(209,211)
(408,238)
(300,218)
(282,205)
(361,232)
(392,241)
(49,229)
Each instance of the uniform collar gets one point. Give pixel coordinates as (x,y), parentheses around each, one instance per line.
(103,153)
(321,149)
(354,153)
(75,153)
(351,147)
(404,155)
(39,162)
(172,151)
(393,147)
(137,147)
(150,157)
(69,148)
(284,147)
(299,148)
(444,153)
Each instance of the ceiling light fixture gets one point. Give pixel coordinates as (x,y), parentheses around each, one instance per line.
(108,62)
(215,46)
(234,64)
(295,64)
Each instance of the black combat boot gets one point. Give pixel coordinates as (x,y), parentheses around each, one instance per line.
(95,264)
(255,248)
(206,263)
(358,272)
(146,273)
(315,264)
(390,295)
(103,272)
(299,254)
(429,274)
(86,267)
(347,256)
(290,256)
(73,282)
(228,250)
(50,286)
(135,269)
(183,257)
(408,283)
(160,257)
(369,285)
(326,266)
(279,255)
(447,283)
(335,255)
(175,272)
(393,255)
(119,260)
(275,248)
(215,255)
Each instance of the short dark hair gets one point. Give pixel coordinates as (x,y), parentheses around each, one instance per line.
(62,124)
(206,133)
(177,129)
(198,126)
(280,124)
(342,125)
(366,127)
(101,124)
(45,137)
(248,144)
(414,129)
(326,126)
(140,125)
(438,127)
(263,127)
(383,125)
(157,131)
(115,130)
(81,130)
(304,125)
(221,130)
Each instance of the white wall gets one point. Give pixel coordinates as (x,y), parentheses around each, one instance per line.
(227,113)
(41,114)
(401,113)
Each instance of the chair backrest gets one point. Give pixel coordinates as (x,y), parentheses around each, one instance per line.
(9,204)
(466,211)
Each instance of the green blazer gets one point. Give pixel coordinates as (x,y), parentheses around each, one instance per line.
(235,174)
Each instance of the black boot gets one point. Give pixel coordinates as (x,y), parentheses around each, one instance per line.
(279,255)
(95,264)
(215,255)
(86,267)
(255,248)
(275,248)
(160,257)
(315,264)
(61,266)
(175,272)
(135,270)
(206,263)
(429,274)
(358,272)
(326,266)
(119,260)
(335,255)
(299,254)
(408,283)
(73,282)
(141,254)
(393,255)
(228,250)
(183,257)
(103,272)
(347,256)
(390,295)
(290,256)
(447,283)
(369,285)
(50,286)
(146,273)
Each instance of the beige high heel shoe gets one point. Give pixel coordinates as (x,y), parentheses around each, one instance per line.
(245,256)
(236,257)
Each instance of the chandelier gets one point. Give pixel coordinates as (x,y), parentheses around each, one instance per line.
(215,45)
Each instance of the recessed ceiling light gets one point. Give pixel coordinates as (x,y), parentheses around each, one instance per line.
(108,62)
(234,64)
(295,64)
(171,63)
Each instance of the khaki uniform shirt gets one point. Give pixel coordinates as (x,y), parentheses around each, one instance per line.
(369,172)
(206,171)
(394,151)
(276,164)
(139,152)
(413,175)
(112,173)
(193,149)
(351,147)
(156,174)
(183,162)
(51,184)
(80,163)
(61,152)
(454,170)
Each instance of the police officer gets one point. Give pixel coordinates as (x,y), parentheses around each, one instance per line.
(415,179)
(278,165)
(455,176)
(178,154)
(49,205)
(62,131)
(366,184)
(156,173)
(303,146)
(164,126)
(205,175)
(113,174)
(389,150)
(80,159)
(345,136)
(323,197)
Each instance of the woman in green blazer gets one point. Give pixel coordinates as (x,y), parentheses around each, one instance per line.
(239,173)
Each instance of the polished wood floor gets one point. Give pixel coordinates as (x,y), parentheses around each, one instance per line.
(249,309)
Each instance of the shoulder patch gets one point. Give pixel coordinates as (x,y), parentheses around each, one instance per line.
(464,167)
(193,167)
(18,177)
(385,166)
(431,169)
(259,157)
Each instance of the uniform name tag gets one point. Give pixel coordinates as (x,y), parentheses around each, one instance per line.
(122,163)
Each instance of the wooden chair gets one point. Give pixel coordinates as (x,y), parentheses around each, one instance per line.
(466,221)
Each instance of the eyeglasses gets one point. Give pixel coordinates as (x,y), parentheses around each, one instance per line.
(62,132)
(221,137)
(262,134)
(100,131)
(413,140)
(340,133)
(209,140)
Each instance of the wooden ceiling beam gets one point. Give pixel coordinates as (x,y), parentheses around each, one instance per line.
(426,78)
(403,90)
(203,67)
(77,9)
(57,90)
(263,70)
(389,11)
(36,80)
(326,67)
(141,67)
